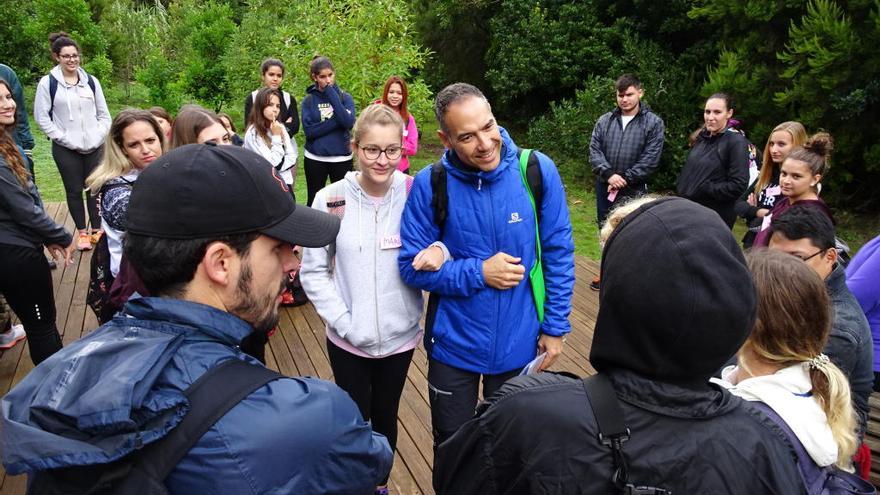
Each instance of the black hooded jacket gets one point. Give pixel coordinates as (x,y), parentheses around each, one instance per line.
(676,302)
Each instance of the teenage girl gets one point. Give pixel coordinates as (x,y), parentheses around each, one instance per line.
(766,191)
(166,123)
(328,115)
(372,317)
(799,178)
(195,124)
(75,117)
(272,75)
(267,137)
(396,95)
(25,276)
(226,120)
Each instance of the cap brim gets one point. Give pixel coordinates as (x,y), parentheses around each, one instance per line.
(305,227)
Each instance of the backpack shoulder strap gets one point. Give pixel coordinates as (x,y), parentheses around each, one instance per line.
(53,88)
(613,432)
(91,82)
(439,196)
(534,179)
(211,397)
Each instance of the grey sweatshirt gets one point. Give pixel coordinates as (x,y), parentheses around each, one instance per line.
(80,120)
(23,221)
(359,292)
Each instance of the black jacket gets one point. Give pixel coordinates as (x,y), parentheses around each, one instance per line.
(716,172)
(685,440)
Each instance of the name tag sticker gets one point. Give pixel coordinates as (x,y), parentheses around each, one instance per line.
(391,242)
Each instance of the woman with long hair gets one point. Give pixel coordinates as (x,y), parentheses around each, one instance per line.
(800,177)
(781,363)
(372,317)
(328,114)
(716,172)
(71,110)
(136,140)
(765,192)
(272,76)
(396,95)
(195,125)
(26,279)
(267,137)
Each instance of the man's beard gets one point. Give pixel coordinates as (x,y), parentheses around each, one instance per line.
(247,307)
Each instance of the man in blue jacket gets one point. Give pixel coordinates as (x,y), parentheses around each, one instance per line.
(210,231)
(485,324)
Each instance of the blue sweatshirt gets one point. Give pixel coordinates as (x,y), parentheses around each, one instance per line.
(327,118)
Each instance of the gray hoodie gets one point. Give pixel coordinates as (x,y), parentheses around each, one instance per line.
(359,292)
(80,119)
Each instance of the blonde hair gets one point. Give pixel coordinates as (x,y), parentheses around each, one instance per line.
(768,168)
(115,163)
(620,212)
(791,327)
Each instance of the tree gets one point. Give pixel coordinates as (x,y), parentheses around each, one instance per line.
(131,31)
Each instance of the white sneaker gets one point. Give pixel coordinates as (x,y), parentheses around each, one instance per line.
(10,338)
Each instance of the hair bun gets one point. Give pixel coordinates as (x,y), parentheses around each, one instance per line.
(821,144)
(54,36)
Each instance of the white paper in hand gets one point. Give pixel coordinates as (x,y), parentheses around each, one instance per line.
(534,366)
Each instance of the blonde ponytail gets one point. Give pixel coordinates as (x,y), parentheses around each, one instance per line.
(831,391)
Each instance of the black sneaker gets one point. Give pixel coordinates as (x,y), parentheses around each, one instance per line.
(595,283)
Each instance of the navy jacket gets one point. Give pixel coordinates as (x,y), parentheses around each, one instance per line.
(850,345)
(327,119)
(476,327)
(94,400)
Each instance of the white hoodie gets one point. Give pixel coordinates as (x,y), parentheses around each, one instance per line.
(789,393)
(80,120)
(359,292)
(281,150)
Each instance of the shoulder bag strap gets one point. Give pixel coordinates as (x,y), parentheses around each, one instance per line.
(211,397)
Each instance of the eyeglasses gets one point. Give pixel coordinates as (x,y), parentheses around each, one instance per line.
(373,152)
(66,58)
(807,258)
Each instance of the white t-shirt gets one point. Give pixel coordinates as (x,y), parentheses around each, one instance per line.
(626,119)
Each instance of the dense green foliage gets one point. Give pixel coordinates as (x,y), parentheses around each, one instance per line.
(547,65)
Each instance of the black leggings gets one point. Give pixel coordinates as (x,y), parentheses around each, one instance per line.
(317,172)
(27,285)
(74,168)
(375,385)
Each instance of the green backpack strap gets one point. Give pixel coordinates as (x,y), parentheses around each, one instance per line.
(536,275)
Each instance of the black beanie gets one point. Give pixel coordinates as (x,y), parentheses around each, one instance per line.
(677,300)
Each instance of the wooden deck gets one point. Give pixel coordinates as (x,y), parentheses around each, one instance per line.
(299,349)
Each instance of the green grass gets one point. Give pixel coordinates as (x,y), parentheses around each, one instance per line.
(855,229)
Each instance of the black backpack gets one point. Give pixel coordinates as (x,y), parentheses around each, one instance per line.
(143,471)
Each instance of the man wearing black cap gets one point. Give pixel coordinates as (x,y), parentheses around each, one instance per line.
(676,302)
(210,231)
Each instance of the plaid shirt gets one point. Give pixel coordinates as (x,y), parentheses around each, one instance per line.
(634,152)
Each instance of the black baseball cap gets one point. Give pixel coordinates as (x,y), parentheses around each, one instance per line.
(204,190)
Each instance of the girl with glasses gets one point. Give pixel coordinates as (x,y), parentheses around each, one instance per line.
(372,317)
(71,110)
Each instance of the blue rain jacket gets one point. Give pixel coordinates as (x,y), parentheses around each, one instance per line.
(102,396)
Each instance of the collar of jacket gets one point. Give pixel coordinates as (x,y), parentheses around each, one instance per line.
(466,173)
(209,323)
(643,109)
(836,280)
(698,399)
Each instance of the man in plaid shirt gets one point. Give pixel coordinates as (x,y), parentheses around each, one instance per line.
(625,149)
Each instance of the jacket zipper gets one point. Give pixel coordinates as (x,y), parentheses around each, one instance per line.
(376,277)
(494,338)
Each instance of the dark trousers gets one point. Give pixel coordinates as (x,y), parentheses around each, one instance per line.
(317,172)
(27,285)
(375,385)
(603,206)
(74,168)
(453,392)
